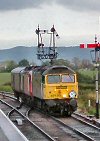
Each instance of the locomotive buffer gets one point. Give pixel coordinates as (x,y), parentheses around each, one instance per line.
(47,52)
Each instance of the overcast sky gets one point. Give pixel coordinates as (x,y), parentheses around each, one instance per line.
(76,21)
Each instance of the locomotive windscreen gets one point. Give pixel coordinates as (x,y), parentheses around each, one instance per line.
(64,78)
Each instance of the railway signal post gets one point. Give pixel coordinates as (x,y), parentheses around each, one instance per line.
(47,52)
(96,80)
(96,47)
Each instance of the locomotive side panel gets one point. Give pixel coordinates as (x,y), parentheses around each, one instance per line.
(16,81)
(37,85)
(26,84)
(22,82)
(30,83)
(12,81)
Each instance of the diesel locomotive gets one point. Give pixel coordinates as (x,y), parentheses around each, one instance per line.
(53,89)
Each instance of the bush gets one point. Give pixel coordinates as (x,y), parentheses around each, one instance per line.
(6,88)
(85,78)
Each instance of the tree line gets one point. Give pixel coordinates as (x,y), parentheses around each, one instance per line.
(75,64)
(10,65)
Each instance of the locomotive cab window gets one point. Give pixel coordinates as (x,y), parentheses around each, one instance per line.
(68,78)
(53,78)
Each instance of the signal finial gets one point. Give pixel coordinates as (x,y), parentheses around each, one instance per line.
(95,39)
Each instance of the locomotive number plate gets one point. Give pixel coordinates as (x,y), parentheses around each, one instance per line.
(61,87)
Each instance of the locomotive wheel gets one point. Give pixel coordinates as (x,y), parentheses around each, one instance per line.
(70,111)
(62,112)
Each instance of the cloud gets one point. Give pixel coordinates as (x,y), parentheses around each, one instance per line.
(76,5)
(81,5)
(20,4)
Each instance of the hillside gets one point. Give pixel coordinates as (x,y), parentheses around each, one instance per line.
(20,52)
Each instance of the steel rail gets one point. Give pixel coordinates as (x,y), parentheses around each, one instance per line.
(82,121)
(9,113)
(32,123)
(73,129)
(67,126)
(7,94)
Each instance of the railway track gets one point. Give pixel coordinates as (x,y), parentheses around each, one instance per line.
(28,128)
(84,129)
(80,125)
(90,120)
(73,128)
(53,128)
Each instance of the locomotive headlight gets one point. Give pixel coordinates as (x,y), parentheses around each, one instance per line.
(55,89)
(64,95)
(72,94)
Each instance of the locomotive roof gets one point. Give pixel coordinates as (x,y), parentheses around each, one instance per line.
(57,69)
(18,69)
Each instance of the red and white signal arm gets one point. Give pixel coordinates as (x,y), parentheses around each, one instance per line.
(90,45)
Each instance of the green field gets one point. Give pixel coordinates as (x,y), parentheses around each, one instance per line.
(5,82)
(5,78)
